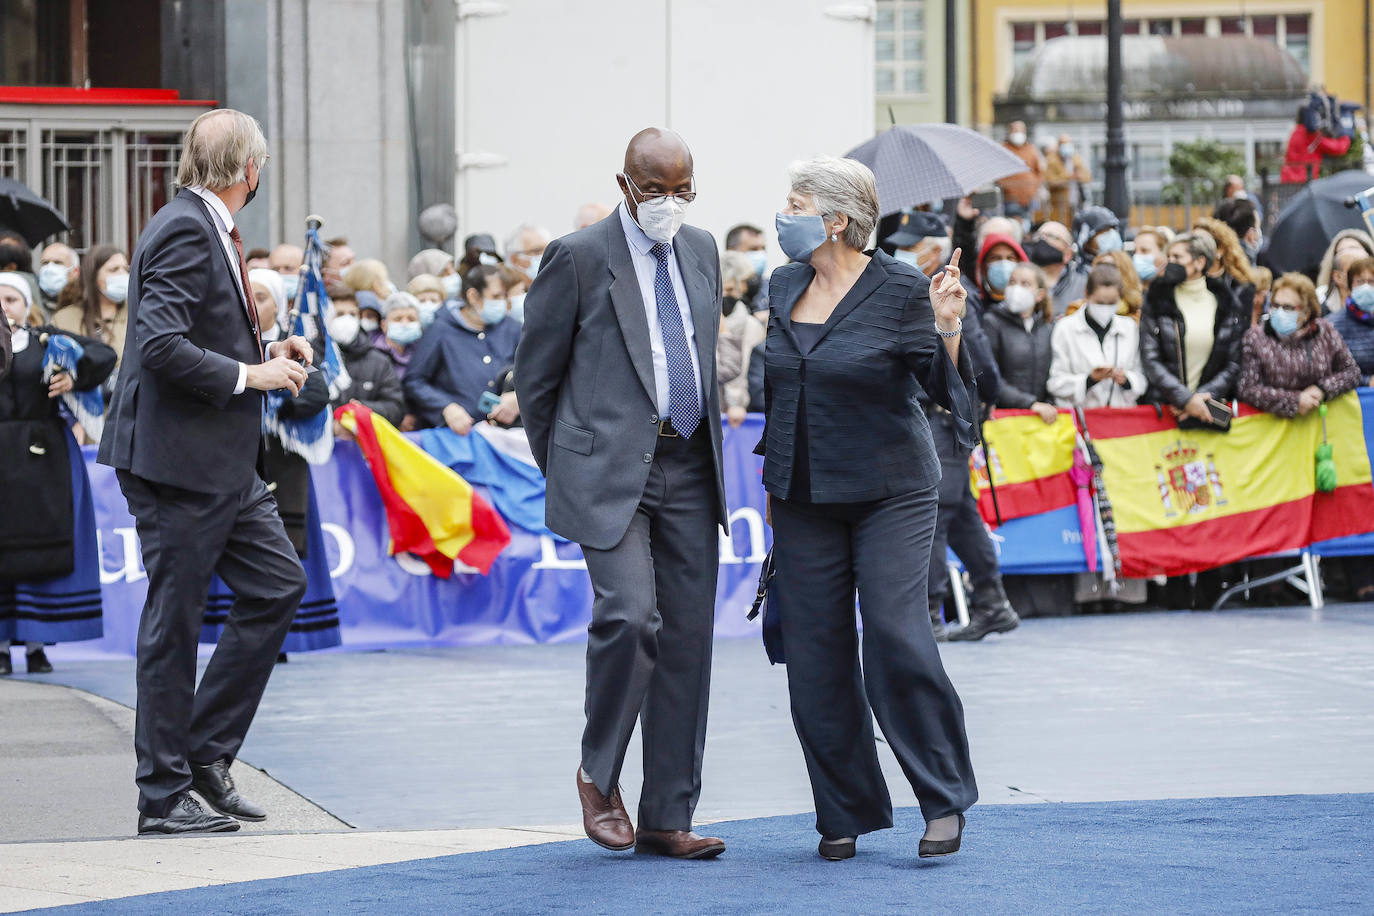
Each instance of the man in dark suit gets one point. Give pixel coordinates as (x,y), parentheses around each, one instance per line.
(616,376)
(184,433)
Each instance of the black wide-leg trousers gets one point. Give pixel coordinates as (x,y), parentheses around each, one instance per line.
(823,553)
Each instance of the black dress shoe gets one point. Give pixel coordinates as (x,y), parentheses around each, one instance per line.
(216,786)
(38,662)
(6,666)
(929,849)
(937,624)
(838,849)
(187,816)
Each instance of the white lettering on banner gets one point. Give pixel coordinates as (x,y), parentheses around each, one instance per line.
(1072,537)
(412,564)
(549,558)
(344,542)
(758,549)
(132,570)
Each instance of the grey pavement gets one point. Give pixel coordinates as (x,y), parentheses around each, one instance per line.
(437,751)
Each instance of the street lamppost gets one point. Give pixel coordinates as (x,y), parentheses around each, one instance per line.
(1115,164)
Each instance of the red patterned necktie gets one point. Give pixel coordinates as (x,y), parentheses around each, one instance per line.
(247,290)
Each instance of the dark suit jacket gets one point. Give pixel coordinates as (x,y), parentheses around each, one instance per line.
(174,417)
(868,438)
(585,377)
(4,347)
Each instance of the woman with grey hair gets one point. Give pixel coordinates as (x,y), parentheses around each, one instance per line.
(852,477)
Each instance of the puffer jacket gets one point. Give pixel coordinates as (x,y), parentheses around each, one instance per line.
(1023,357)
(1161,345)
(374,381)
(1275,370)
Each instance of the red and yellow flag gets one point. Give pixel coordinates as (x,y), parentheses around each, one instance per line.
(1189,500)
(1029,461)
(431,511)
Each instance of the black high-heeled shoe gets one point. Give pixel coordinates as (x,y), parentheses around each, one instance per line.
(930,849)
(837,849)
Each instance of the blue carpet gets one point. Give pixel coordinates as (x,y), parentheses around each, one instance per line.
(1277,854)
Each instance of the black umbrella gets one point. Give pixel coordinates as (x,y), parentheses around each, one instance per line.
(921,163)
(1309,220)
(27,213)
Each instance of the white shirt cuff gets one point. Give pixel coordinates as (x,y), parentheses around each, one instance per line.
(243,379)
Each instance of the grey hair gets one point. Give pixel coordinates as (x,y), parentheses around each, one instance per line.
(1199,245)
(513,240)
(217,148)
(734,265)
(840,186)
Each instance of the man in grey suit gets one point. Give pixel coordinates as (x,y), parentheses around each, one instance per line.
(616,376)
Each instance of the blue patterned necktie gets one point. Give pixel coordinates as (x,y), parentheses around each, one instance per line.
(684,403)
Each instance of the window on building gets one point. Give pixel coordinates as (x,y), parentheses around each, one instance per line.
(1192,26)
(1296,38)
(1056,30)
(1130,27)
(899,49)
(1148,162)
(1095,27)
(1022,43)
(1231,25)
(1160,26)
(1266,27)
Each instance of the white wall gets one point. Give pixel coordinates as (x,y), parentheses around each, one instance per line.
(557,89)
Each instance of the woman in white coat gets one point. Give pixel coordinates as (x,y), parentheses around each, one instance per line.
(1095,352)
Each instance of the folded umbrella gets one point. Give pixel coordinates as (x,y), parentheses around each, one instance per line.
(921,163)
(28,214)
(1308,221)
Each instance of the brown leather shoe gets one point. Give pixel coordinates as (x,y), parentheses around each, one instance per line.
(605,819)
(678,844)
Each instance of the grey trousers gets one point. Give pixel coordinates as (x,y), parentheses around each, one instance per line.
(649,642)
(186,537)
(822,554)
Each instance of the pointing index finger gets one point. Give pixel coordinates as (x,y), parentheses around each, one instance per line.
(954,259)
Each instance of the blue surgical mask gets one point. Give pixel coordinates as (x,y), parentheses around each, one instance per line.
(1066,151)
(1283,321)
(533,270)
(907,257)
(427,312)
(52,278)
(999,274)
(1363,297)
(1109,241)
(799,236)
(292,282)
(403,332)
(117,287)
(452,283)
(517,308)
(1144,266)
(493,311)
(758,260)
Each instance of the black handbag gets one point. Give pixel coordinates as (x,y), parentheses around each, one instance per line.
(763,604)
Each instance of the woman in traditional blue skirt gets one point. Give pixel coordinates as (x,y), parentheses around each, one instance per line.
(297,433)
(49,561)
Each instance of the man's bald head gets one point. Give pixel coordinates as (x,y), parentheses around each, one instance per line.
(286,258)
(657,162)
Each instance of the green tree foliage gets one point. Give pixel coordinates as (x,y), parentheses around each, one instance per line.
(1202,166)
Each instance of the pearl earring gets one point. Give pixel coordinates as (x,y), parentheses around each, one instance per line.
(834,237)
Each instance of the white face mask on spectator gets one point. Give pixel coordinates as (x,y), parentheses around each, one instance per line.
(344,328)
(1102,313)
(1019,300)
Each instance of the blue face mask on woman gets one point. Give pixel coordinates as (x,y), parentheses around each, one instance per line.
(1144,266)
(1283,321)
(1109,241)
(1363,297)
(999,274)
(494,311)
(799,236)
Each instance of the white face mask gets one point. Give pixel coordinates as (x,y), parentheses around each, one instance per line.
(1102,314)
(661,218)
(369,324)
(1017,138)
(344,328)
(1019,300)
(117,288)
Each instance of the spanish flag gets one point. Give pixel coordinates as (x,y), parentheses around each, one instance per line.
(1189,500)
(1029,461)
(431,511)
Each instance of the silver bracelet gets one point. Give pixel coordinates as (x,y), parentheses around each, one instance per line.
(958,329)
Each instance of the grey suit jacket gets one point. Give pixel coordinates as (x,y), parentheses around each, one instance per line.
(585,377)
